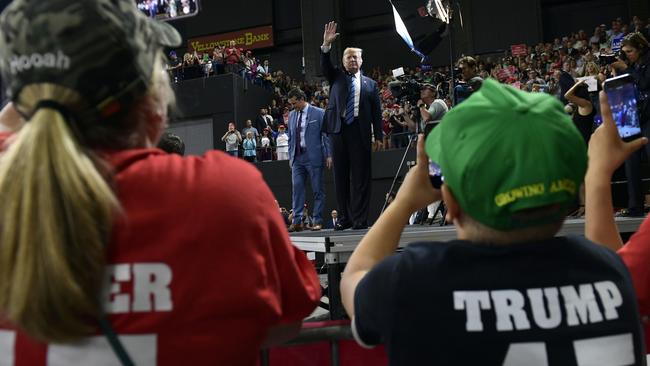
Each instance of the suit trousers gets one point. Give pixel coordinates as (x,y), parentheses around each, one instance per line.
(301,172)
(636,194)
(352,174)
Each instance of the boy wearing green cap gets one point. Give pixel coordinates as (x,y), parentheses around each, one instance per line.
(507,292)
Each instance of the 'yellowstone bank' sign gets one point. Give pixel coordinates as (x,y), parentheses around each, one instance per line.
(247,39)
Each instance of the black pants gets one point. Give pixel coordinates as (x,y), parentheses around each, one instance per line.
(351,174)
(636,194)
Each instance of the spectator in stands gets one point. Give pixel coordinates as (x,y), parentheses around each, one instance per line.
(488,290)
(282,142)
(583,111)
(534,79)
(266,145)
(638,26)
(233,57)
(218,67)
(91,245)
(606,154)
(398,129)
(174,66)
(232,138)
(263,120)
(637,52)
(263,70)
(187,59)
(276,112)
(249,128)
(250,147)
(386,127)
(250,65)
(171,144)
(615,35)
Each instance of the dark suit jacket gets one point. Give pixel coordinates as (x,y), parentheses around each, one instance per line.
(328,224)
(261,123)
(369,104)
(318,144)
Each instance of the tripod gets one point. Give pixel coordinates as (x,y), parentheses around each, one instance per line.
(399,169)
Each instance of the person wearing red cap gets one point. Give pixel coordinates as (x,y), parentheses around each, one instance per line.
(282,143)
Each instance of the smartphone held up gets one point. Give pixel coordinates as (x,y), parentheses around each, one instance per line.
(622,95)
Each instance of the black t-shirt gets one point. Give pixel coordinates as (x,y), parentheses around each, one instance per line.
(561,302)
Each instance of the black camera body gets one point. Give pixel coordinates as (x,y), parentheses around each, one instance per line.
(609,59)
(406,90)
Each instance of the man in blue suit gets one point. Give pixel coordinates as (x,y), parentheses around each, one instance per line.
(309,150)
(353,115)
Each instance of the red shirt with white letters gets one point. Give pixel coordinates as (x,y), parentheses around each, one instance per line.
(199,267)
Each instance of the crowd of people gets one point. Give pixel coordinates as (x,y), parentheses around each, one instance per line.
(166,8)
(552,67)
(96,223)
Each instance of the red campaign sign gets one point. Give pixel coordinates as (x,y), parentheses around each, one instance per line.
(519,50)
(503,74)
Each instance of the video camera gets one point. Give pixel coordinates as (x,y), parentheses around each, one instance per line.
(609,59)
(406,88)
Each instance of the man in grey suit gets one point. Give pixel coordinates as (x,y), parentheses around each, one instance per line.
(309,150)
(352,117)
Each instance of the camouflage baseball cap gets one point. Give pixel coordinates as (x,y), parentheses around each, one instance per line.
(103,49)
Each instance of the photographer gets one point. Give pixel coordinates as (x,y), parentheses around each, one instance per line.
(635,48)
(431,107)
(469,82)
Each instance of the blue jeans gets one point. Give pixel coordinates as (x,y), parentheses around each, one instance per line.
(234,153)
(301,171)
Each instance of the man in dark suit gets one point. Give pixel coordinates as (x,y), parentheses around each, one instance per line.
(309,149)
(352,116)
(331,223)
(263,120)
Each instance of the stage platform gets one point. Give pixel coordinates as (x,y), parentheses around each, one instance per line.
(334,248)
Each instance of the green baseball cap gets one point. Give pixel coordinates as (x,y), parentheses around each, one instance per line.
(103,49)
(504,151)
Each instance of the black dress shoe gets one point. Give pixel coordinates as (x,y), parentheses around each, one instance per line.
(359,226)
(342,226)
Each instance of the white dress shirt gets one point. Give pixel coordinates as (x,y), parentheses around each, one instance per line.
(357,85)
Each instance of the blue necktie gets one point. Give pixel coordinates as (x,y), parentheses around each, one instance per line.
(298,129)
(349,106)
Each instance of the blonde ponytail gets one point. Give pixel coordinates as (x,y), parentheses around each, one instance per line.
(56,212)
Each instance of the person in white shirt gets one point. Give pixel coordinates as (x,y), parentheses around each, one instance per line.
(282,142)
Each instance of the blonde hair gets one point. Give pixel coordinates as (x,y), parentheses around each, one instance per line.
(352,50)
(56,209)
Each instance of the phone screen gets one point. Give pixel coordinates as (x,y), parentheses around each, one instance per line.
(168,9)
(435,175)
(622,95)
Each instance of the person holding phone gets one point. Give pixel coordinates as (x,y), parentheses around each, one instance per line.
(607,151)
(637,52)
(508,288)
